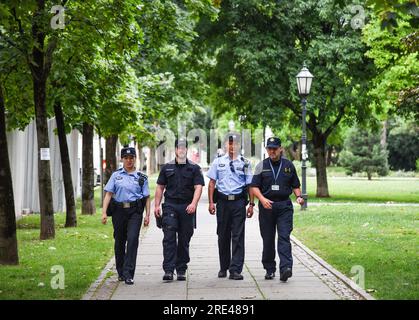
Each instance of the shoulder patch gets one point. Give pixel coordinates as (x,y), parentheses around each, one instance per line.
(142,175)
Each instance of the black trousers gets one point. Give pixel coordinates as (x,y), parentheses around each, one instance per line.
(231,218)
(126,230)
(279,218)
(178,228)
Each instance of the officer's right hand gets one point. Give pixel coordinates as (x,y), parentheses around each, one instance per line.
(266,203)
(211,208)
(104,217)
(157,212)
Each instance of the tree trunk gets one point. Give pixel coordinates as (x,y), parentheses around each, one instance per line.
(8,241)
(319,143)
(44,171)
(329,156)
(88,189)
(111,161)
(39,77)
(369,175)
(70,217)
(153,166)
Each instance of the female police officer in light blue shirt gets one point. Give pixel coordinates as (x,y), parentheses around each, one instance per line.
(126,191)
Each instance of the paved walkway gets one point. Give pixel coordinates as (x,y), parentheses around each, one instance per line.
(311,280)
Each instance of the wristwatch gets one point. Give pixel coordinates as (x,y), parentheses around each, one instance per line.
(252,204)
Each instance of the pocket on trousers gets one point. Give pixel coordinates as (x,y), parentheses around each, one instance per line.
(169,220)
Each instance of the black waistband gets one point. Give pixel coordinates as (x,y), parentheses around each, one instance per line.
(177,201)
(286,201)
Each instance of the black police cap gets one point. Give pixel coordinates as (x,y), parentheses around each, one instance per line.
(273,143)
(128,151)
(181,142)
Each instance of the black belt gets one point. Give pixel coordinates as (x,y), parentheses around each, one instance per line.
(287,201)
(231,197)
(127,205)
(177,201)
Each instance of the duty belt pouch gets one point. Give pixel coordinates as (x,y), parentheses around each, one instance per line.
(142,202)
(159,222)
(245,194)
(111,208)
(215,196)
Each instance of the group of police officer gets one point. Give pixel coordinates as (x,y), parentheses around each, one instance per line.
(232,188)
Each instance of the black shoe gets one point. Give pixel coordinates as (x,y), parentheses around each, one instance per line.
(181,276)
(129,281)
(287,273)
(235,276)
(121,278)
(222,274)
(168,276)
(269,275)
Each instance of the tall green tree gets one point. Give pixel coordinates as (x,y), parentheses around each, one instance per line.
(259,47)
(395,89)
(26,27)
(364,153)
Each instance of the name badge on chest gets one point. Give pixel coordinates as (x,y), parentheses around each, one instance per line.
(275,187)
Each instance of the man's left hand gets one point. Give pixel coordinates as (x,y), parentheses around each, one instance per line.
(300,201)
(191,208)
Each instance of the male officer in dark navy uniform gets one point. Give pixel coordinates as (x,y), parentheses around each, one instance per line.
(127,194)
(230,175)
(183,182)
(275,179)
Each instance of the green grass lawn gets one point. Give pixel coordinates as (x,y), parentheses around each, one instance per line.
(360,189)
(384,240)
(81,251)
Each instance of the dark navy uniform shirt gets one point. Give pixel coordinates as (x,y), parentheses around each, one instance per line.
(180,180)
(287,180)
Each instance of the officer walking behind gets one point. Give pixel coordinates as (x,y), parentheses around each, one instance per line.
(183,182)
(274,180)
(127,194)
(231,174)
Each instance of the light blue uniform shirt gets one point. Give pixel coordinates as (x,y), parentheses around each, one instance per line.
(229,182)
(125,186)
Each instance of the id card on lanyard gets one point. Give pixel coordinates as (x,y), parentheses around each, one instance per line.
(275,187)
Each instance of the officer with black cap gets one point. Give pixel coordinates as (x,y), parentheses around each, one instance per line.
(183,181)
(275,179)
(127,194)
(230,175)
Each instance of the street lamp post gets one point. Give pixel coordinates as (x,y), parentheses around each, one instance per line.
(304,80)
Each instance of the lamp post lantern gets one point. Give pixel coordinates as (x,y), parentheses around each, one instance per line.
(304,80)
